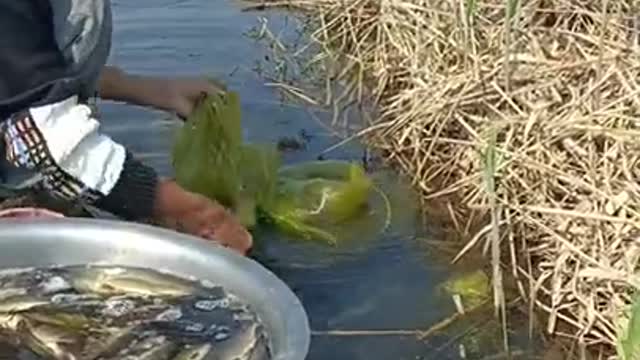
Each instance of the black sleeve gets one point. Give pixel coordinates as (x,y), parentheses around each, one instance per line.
(133,196)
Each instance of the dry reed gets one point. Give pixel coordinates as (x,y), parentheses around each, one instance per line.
(556,82)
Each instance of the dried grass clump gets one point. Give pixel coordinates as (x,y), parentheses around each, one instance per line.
(522,115)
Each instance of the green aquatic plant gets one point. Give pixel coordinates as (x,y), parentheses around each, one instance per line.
(209,158)
(474,288)
(628,345)
(209,141)
(319,195)
(310,200)
(325,190)
(258,176)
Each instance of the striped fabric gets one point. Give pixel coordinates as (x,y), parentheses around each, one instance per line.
(62,144)
(27,148)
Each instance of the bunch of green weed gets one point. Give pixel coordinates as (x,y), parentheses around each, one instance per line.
(209,158)
(312,200)
(258,167)
(315,198)
(628,345)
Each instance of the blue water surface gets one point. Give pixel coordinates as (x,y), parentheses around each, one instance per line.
(383,283)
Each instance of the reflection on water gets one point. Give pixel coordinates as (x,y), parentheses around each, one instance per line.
(384,283)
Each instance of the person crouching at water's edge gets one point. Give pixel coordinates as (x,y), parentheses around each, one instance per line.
(53,60)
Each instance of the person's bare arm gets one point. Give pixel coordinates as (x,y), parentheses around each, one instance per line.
(174,206)
(117,85)
(177,95)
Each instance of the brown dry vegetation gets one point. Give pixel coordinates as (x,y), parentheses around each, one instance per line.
(524,116)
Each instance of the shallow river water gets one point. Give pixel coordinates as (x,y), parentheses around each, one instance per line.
(378,284)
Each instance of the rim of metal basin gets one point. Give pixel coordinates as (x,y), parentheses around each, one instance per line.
(76,241)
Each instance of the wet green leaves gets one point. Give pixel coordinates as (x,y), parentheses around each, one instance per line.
(312,200)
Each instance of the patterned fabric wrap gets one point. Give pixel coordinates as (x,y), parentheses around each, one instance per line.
(61,142)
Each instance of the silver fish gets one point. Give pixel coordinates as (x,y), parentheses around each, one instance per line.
(261,350)
(75,301)
(113,281)
(108,313)
(100,347)
(239,343)
(19,303)
(120,312)
(150,348)
(197,352)
(71,321)
(53,285)
(7,293)
(256,348)
(17,278)
(13,272)
(114,311)
(10,322)
(49,341)
(28,290)
(126,311)
(35,281)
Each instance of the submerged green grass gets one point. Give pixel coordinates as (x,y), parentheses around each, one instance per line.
(628,346)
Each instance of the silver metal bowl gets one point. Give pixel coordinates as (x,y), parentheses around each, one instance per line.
(73,241)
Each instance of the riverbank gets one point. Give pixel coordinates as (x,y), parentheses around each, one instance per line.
(389,283)
(518,121)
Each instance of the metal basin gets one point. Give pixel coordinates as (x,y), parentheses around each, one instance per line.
(73,241)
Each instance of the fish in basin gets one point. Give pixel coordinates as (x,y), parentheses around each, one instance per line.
(108,312)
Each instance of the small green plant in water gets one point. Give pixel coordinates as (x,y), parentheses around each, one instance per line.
(628,345)
(309,200)
(474,288)
(316,196)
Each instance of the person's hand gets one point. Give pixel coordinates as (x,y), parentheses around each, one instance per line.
(177,95)
(183,93)
(188,212)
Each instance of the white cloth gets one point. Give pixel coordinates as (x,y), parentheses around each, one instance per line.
(74,154)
